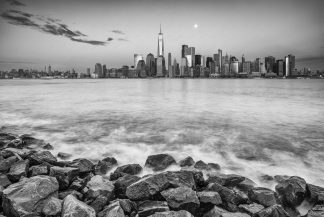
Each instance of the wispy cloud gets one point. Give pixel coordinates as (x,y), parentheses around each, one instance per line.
(15,3)
(47,25)
(118,32)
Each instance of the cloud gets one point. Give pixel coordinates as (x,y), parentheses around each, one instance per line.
(110,39)
(15,3)
(118,32)
(122,39)
(47,25)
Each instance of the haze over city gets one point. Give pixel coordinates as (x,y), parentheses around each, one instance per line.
(78,34)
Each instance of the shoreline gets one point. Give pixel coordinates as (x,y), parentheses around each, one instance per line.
(97,189)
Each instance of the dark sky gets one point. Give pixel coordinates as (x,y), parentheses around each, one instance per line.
(79,33)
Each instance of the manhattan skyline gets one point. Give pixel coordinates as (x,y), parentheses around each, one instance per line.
(80,33)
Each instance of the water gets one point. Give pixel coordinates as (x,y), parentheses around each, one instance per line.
(249,127)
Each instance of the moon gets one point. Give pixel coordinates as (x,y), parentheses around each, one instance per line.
(195,25)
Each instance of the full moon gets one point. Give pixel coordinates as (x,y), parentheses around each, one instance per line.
(196,26)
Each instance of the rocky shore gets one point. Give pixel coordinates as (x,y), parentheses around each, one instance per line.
(33,182)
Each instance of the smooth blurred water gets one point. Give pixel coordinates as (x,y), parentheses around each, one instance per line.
(251,127)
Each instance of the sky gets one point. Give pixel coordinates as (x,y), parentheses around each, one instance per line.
(79,33)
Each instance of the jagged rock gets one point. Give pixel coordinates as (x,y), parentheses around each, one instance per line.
(23,153)
(80,182)
(17,170)
(64,156)
(52,207)
(16,143)
(48,146)
(292,190)
(263,196)
(127,205)
(227,195)
(102,167)
(280,178)
(251,209)
(72,207)
(4,181)
(99,203)
(38,170)
(225,179)
(112,210)
(122,183)
(213,166)
(31,142)
(181,213)
(315,193)
(182,198)
(316,211)
(220,212)
(201,165)
(209,197)
(272,211)
(246,185)
(64,175)
(84,165)
(266,178)
(110,160)
(98,185)
(131,169)
(5,164)
(22,197)
(159,162)
(7,136)
(147,208)
(292,211)
(42,157)
(187,162)
(151,185)
(76,194)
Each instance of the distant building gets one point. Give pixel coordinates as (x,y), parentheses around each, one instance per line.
(49,70)
(257,65)
(184,67)
(280,68)
(104,72)
(234,66)
(140,69)
(150,65)
(183,50)
(289,65)
(170,74)
(212,67)
(98,71)
(175,68)
(246,67)
(208,60)
(88,71)
(160,51)
(160,66)
(270,63)
(220,59)
(190,55)
(137,58)
(198,60)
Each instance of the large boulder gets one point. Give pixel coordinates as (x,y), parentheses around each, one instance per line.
(52,207)
(187,162)
(315,193)
(64,194)
(31,142)
(112,210)
(102,167)
(181,213)
(131,169)
(72,207)
(42,157)
(64,175)
(147,208)
(122,183)
(64,156)
(201,165)
(273,211)
(228,195)
(251,209)
(99,203)
(18,169)
(211,197)
(110,160)
(225,179)
(182,198)
(84,165)
(263,196)
(99,185)
(149,186)
(5,164)
(246,185)
(4,181)
(23,153)
(220,212)
(22,197)
(316,211)
(39,170)
(159,162)
(293,190)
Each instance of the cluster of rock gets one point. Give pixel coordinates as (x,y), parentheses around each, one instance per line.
(33,182)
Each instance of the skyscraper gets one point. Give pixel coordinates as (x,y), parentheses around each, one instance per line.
(150,65)
(270,63)
(49,69)
(234,66)
(208,60)
(169,65)
(198,60)
(220,60)
(289,64)
(160,51)
(137,57)
(190,55)
(183,50)
(160,66)
(104,71)
(184,67)
(140,69)
(98,70)
(280,67)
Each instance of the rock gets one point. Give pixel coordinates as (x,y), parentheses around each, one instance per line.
(98,185)
(99,203)
(227,180)
(38,170)
(17,170)
(272,211)
(122,183)
(280,178)
(182,198)
(181,213)
(102,167)
(48,147)
(246,185)
(131,169)
(113,210)
(7,136)
(213,166)
(127,205)
(315,193)
(80,182)
(147,208)
(209,197)
(220,212)
(292,190)
(84,165)
(16,143)
(64,175)
(52,207)
(159,162)
(72,207)
(42,157)
(4,181)
(64,194)
(23,153)
(201,165)
(251,209)
(149,186)
(22,197)
(64,156)
(110,160)
(187,162)
(316,211)
(266,178)
(227,195)
(31,142)
(5,164)
(263,196)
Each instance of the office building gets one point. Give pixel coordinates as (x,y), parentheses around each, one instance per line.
(160,67)
(184,67)
(220,59)
(270,63)
(280,67)
(289,65)
(137,58)
(150,65)
(140,69)
(160,51)
(190,55)
(198,60)
(169,65)
(183,50)
(98,70)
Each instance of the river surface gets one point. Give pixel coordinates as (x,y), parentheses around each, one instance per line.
(250,127)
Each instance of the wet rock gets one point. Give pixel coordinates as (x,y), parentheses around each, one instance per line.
(42,157)
(292,190)
(220,212)
(48,147)
(31,142)
(272,211)
(280,178)
(38,170)
(23,153)
(64,156)
(266,178)
(151,185)
(122,183)
(22,197)
(263,196)
(127,205)
(110,160)
(213,166)
(159,162)
(84,165)
(98,185)
(5,164)
(315,193)
(209,197)
(72,207)
(227,180)
(64,175)
(102,167)
(181,213)
(16,143)
(251,209)
(246,185)
(201,165)
(187,162)
(227,195)
(182,198)
(112,210)
(147,208)
(7,136)
(316,211)
(131,169)
(17,170)
(80,182)
(74,193)
(52,207)
(4,181)
(99,203)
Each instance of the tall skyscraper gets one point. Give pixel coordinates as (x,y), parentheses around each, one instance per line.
(184,67)
(190,55)
(289,64)
(169,65)
(98,70)
(137,57)
(183,50)
(175,69)
(104,71)
(234,66)
(257,65)
(160,66)
(270,63)
(208,60)
(49,69)
(220,60)
(150,65)
(280,67)
(198,60)
(140,69)
(160,51)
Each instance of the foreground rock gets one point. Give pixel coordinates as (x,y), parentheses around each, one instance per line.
(122,183)
(251,209)
(98,185)
(130,169)
(273,211)
(187,162)
(181,213)
(228,195)
(263,196)
(22,198)
(5,164)
(209,197)
(84,165)
(64,175)
(72,207)
(225,179)
(42,157)
(315,194)
(159,162)
(113,210)
(52,207)
(147,208)
(317,211)
(220,212)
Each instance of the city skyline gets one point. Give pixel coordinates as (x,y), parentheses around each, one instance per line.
(113,42)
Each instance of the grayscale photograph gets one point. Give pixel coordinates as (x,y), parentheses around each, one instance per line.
(161,108)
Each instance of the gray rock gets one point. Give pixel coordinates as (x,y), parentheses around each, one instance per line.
(99,203)
(4,181)
(72,207)
(201,165)
(263,196)
(187,162)
(220,212)
(122,183)
(213,166)
(227,195)
(84,165)
(159,162)
(182,198)
(292,190)
(181,213)
(23,153)
(209,197)
(64,194)
(42,157)
(131,169)
(316,211)
(64,156)
(147,208)
(315,193)
(246,185)
(102,167)
(31,142)
(22,197)
(110,160)
(17,170)
(48,147)
(225,179)
(64,175)
(112,210)
(52,207)
(5,164)
(38,170)
(98,185)
(273,211)
(251,209)
(127,205)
